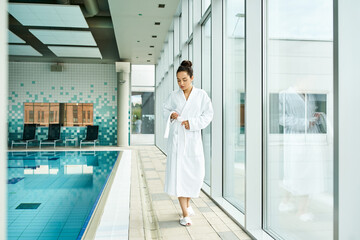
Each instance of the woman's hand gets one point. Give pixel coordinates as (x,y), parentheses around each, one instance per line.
(174,116)
(186,124)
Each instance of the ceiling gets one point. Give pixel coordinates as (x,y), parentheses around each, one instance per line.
(89,31)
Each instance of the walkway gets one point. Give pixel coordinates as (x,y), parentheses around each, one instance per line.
(154,215)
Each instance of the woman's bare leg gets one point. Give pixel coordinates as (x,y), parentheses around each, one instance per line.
(188,202)
(183,205)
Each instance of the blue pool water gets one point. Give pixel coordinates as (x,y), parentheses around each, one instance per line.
(51,195)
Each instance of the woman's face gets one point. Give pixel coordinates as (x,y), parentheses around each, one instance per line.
(184,80)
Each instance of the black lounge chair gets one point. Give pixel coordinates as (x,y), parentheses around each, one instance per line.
(29,135)
(92,133)
(53,135)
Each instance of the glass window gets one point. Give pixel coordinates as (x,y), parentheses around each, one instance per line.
(234,104)
(191,17)
(206,85)
(190,48)
(53,113)
(299,110)
(205,5)
(142,106)
(180,34)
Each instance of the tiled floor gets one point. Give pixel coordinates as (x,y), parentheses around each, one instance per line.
(155,215)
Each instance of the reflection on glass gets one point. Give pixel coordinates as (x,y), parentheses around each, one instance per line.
(206,85)
(205,5)
(191,17)
(67,114)
(191,51)
(234,104)
(299,161)
(142,106)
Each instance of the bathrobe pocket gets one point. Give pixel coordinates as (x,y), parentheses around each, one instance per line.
(193,144)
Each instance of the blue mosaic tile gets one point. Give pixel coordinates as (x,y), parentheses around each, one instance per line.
(96,76)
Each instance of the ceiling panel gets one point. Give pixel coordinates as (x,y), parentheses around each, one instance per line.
(80,52)
(64,37)
(48,15)
(23,50)
(134,26)
(12,38)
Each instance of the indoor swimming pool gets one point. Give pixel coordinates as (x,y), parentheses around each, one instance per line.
(52,195)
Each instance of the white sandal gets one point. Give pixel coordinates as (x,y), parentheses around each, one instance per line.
(186,221)
(191,212)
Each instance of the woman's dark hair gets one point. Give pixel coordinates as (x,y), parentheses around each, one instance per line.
(186,66)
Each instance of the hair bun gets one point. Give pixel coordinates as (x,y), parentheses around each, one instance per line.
(186,63)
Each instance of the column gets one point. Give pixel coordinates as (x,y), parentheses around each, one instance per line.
(123,103)
(3,117)
(347,115)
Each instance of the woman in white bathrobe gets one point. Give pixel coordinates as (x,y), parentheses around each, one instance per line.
(187,111)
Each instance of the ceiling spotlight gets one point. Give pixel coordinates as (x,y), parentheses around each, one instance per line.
(137,41)
(148,60)
(150,54)
(140,14)
(154,36)
(157,23)
(151,46)
(161,5)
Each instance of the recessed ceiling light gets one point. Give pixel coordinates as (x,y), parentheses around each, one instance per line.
(140,14)
(157,23)
(161,5)
(137,41)
(154,36)
(151,46)
(148,60)
(150,54)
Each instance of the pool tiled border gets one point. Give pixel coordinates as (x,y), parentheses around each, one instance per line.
(89,217)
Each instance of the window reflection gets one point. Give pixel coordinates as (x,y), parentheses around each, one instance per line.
(299,148)
(234,104)
(67,114)
(206,85)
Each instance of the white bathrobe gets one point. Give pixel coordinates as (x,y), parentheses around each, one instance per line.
(185,166)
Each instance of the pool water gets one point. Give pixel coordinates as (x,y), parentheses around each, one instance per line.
(51,195)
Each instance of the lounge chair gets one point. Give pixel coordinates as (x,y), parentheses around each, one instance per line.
(29,135)
(92,133)
(53,135)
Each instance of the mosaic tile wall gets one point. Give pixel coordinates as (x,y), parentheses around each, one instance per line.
(82,83)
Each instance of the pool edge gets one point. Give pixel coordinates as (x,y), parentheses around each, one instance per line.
(96,215)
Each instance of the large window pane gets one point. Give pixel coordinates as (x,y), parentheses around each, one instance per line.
(234,104)
(205,5)
(191,17)
(299,159)
(206,85)
(142,106)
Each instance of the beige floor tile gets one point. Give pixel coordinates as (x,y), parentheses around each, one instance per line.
(220,227)
(171,232)
(136,232)
(194,229)
(177,237)
(209,236)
